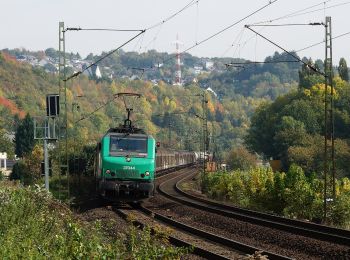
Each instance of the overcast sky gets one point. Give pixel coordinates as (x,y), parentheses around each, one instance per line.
(33,25)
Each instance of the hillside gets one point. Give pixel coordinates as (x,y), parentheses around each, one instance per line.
(23,88)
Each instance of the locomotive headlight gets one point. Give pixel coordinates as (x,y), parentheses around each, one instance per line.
(146,173)
(108,171)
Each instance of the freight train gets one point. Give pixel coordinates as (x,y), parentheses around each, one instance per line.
(126,160)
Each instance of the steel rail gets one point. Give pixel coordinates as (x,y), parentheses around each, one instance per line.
(175,241)
(321,232)
(210,236)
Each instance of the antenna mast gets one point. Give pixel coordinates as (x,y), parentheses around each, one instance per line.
(178,81)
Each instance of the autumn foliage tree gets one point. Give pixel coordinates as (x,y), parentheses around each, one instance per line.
(24,136)
(241,158)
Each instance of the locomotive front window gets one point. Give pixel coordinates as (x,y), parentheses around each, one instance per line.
(131,145)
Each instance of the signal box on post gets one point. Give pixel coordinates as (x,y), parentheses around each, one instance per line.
(52,105)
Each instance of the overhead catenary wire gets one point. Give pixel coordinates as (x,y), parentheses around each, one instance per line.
(192,2)
(102,106)
(301,12)
(287,24)
(237,39)
(141,31)
(259,62)
(290,53)
(97,109)
(197,22)
(323,9)
(321,42)
(291,14)
(224,29)
(101,29)
(230,26)
(103,57)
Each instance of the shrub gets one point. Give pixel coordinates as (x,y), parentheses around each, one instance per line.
(340,214)
(35,226)
(18,171)
(241,158)
(292,194)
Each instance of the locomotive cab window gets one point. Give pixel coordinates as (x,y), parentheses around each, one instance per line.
(133,145)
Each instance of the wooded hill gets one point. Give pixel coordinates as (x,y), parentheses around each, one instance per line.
(240,90)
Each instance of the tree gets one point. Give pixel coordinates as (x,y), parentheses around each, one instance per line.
(307,76)
(51,52)
(289,132)
(6,145)
(241,158)
(299,195)
(343,70)
(24,136)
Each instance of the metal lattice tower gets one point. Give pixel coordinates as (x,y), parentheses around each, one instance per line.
(62,118)
(178,62)
(329,120)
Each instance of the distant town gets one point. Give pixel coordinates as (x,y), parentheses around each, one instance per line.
(178,74)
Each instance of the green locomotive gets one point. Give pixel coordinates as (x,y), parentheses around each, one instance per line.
(125,164)
(125,161)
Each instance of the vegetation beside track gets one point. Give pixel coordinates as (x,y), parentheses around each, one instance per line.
(36,226)
(291,194)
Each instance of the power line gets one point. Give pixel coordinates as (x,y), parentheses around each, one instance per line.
(291,54)
(122,30)
(315,44)
(322,9)
(259,62)
(291,14)
(103,57)
(224,29)
(299,12)
(230,26)
(192,2)
(287,24)
(101,29)
(97,109)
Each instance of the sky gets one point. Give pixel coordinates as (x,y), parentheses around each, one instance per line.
(33,25)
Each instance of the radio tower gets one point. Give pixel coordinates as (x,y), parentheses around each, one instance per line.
(178,62)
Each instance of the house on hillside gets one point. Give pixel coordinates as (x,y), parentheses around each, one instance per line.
(93,71)
(212,91)
(209,65)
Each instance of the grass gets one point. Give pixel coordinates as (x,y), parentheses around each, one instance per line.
(34,225)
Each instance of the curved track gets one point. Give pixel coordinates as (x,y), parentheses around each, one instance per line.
(298,227)
(197,250)
(297,235)
(245,248)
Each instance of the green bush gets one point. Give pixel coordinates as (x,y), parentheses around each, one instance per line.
(35,226)
(18,171)
(292,194)
(340,214)
(241,158)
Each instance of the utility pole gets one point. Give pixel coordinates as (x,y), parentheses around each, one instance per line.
(62,118)
(328,117)
(205,128)
(169,134)
(46,157)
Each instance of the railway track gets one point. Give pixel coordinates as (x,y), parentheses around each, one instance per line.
(200,247)
(169,187)
(298,227)
(220,240)
(245,248)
